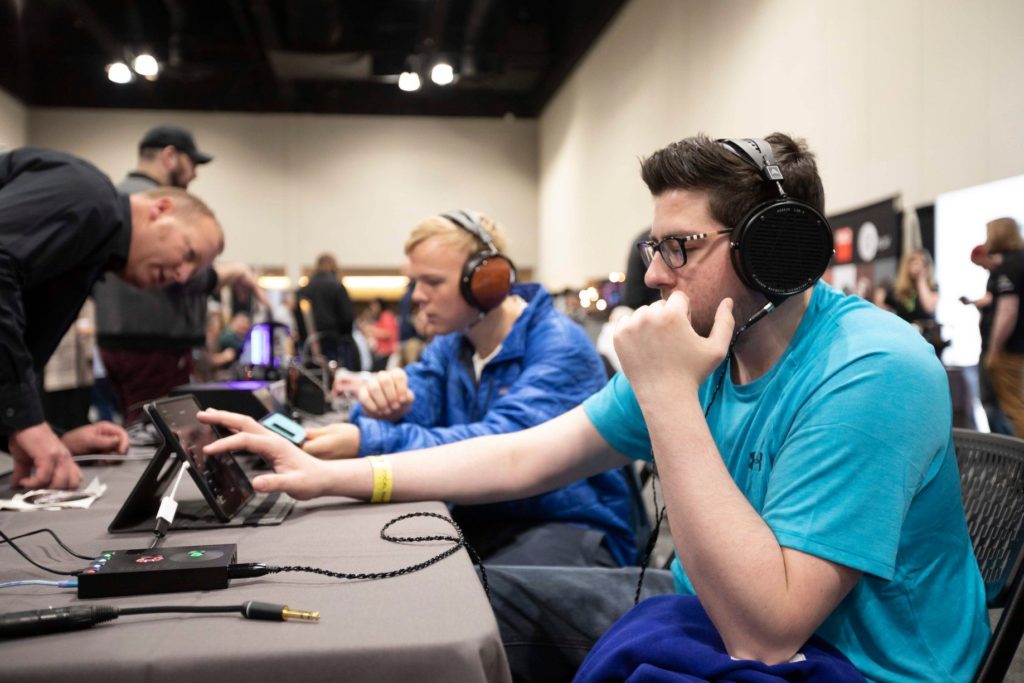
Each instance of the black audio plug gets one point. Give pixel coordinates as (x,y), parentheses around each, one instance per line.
(57,619)
(53,620)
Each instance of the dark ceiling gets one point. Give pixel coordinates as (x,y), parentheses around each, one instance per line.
(326,56)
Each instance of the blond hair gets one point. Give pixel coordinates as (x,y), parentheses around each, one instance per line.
(906,289)
(454,235)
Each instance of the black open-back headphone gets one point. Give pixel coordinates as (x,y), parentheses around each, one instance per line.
(488,275)
(782,246)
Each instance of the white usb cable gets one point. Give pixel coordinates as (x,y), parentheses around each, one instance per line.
(168,508)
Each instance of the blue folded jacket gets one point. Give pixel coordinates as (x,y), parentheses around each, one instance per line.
(669,638)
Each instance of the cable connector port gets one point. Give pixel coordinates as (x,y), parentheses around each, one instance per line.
(247,570)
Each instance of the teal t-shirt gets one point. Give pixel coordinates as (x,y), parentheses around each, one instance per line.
(845,450)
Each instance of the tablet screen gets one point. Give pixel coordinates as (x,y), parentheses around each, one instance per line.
(220,474)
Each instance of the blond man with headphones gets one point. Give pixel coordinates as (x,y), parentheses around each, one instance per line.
(502,359)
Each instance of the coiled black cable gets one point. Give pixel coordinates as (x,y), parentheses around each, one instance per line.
(238,571)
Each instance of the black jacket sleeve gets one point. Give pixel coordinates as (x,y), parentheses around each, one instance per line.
(20,406)
(58,215)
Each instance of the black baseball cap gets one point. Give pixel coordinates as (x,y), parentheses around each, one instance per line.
(178,138)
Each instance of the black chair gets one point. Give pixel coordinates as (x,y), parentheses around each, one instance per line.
(992,485)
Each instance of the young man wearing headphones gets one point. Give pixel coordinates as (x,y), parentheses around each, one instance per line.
(802,437)
(502,359)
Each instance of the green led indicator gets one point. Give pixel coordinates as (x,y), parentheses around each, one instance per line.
(196,553)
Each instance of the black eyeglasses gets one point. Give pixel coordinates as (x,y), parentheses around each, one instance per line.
(672,249)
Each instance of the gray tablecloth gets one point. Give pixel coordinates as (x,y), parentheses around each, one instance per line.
(431,625)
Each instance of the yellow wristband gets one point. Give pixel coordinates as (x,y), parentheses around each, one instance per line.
(383,480)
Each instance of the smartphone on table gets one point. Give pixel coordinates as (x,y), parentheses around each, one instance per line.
(286,427)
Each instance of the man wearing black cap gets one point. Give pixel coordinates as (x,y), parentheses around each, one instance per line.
(167,156)
(146,337)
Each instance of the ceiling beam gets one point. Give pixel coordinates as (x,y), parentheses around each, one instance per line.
(270,41)
(92,24)
(476,18)
(258,55)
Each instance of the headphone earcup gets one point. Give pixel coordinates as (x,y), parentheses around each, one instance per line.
(782,248)
(487,278)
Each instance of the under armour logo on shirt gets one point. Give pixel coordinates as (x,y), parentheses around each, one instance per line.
(755,459)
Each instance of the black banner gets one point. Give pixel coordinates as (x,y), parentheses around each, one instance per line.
(867,243)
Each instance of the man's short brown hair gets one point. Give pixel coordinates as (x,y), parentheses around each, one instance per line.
(733,186)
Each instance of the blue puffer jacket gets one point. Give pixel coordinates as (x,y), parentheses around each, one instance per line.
(545,367)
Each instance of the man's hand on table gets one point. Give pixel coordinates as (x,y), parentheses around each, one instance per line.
(99,437)
(41,460)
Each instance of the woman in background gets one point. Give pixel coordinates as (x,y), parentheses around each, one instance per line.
(915,295)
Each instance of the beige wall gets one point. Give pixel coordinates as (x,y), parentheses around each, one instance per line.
(13,122)
(289,186)
(916,97)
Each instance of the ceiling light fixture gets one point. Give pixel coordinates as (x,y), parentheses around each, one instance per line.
(118,72)
(409,81)
(146,66)
(442,74)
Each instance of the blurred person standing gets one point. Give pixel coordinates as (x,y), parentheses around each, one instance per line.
(980,257)
(332,315)
(146,338)
(382,329)
(1004,358)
